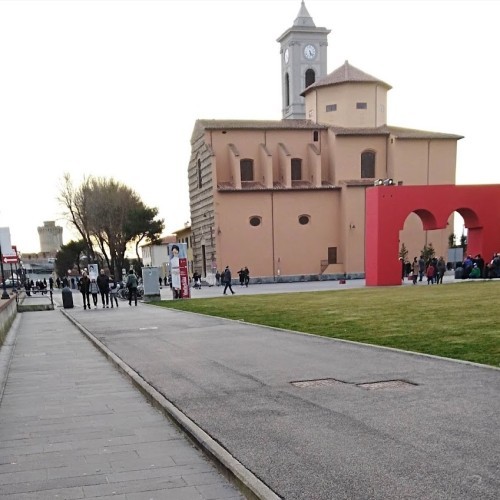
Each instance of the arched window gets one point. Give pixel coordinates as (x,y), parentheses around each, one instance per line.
(367,165)
(287,89)
(296,169)
(310,77)
(199,173)
(246,169)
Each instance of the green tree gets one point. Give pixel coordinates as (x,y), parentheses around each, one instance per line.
(463,241)
(403,252)
(428,252)
(452,240)
(69,256)
(141,225)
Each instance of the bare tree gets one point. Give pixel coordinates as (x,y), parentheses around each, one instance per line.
(74,202)
(109,216)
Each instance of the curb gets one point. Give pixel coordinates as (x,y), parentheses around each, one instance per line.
(249,484)
(7,352)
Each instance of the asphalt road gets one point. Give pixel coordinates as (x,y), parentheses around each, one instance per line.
(432,434)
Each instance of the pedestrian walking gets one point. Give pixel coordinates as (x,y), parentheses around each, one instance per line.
(85,290)
(103,284)
(241,275)
(94,291)
(247,276)
(113,290)
(441,270)
(421,268)
(217,278)
(227,280)
(415,270)
(132,287)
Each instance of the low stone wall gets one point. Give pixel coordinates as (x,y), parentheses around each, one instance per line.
(299,278)
(8,311)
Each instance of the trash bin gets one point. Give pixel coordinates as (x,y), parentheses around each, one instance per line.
(459,273)
(67,297)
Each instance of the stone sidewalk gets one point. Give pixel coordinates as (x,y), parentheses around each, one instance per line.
(73,426)
(315,418)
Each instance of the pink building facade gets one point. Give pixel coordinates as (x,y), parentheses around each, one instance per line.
(287,198)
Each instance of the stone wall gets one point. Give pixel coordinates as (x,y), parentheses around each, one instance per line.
(8,311)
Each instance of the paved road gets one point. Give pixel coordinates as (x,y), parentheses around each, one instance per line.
(72,426)
(435,434)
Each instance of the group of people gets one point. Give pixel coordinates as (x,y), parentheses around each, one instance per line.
(433,269)
(38,286)
(476,267)
(244,275)
(107,287)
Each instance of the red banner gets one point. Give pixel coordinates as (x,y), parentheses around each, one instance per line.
(183,271)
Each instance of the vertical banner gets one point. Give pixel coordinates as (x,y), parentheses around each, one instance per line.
(93,271)
(178,268)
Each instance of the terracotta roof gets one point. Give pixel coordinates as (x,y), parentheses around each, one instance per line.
(256,124)
(345,74)
(398,132)
(385,130)
(358,182)
(277,186)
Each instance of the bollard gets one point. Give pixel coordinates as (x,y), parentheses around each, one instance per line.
(67,297)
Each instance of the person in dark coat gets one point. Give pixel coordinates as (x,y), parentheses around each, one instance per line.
(103,284)
(227,280)
(132,287)
(85,290)
(241,274)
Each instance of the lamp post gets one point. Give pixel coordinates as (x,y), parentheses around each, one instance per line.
(5,295)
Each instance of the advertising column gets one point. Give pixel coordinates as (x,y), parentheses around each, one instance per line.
(177,253)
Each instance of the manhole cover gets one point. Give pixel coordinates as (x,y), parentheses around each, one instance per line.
(317,383)
(387,384)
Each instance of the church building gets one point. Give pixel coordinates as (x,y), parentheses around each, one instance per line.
(286,198)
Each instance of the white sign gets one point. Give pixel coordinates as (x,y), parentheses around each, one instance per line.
(93,271)
(5,241)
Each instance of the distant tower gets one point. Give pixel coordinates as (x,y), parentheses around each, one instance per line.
(50,237)
(303,61)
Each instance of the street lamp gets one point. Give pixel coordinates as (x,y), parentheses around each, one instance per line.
(384,182)
(5,295)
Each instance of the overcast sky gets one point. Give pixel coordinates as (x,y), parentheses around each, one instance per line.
(113,88)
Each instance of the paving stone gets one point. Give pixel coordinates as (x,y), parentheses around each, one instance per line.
(73,426)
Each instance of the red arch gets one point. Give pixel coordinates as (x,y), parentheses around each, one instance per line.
(387,208)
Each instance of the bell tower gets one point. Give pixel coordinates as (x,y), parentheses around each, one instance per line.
(303,61)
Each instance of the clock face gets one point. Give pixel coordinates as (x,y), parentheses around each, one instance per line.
(310,51)
(287,56)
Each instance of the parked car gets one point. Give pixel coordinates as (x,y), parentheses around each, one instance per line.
(9,283)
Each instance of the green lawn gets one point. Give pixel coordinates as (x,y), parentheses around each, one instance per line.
(459,321)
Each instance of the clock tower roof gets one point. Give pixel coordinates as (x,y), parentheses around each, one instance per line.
(303,24)
(303,17)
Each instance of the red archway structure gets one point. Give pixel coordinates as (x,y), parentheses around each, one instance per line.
(387,208)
